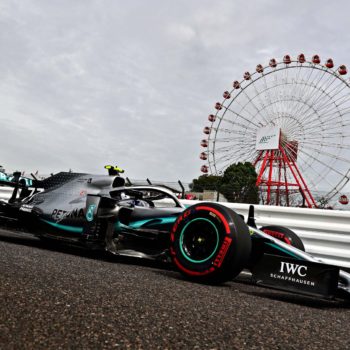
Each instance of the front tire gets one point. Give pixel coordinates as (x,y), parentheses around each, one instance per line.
(210,243)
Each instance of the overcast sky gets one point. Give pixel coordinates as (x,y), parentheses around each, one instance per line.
(86,83)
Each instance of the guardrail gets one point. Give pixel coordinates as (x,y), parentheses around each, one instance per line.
(325,233)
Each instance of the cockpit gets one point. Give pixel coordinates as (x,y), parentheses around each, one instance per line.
(146,197)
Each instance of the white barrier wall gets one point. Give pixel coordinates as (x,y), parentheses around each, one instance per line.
(5,192)
(325,233)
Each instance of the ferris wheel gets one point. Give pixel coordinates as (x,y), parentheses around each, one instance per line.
(291,119)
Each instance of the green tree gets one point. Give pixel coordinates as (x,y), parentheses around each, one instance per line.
(322,202)
(205,182)
(238,183)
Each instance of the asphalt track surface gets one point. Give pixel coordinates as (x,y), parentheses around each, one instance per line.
(68,298)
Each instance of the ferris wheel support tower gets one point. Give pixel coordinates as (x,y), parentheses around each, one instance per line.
(279,173)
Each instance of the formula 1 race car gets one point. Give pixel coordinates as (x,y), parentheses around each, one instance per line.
(207,242)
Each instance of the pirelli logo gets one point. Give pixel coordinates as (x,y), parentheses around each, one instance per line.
(222,252)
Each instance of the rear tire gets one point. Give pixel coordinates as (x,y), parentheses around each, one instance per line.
(210,243)
(285,235)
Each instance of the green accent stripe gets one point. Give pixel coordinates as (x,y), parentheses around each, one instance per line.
(64,227)
(157,221)
(284,250)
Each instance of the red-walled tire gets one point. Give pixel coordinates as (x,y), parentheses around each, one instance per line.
(210,243)
(285,235)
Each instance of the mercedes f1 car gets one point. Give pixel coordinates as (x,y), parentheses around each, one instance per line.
(206,242)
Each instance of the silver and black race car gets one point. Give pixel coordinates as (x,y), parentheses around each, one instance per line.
(207,242)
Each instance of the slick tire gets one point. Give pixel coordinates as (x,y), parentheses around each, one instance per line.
(285,235)
(210,243)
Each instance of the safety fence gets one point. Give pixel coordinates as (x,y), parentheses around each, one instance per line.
(325,233)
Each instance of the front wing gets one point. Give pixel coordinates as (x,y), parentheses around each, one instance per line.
(299,272)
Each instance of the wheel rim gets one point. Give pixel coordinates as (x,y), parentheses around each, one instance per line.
(199,240)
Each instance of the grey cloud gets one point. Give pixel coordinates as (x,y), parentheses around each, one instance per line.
(86,83)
